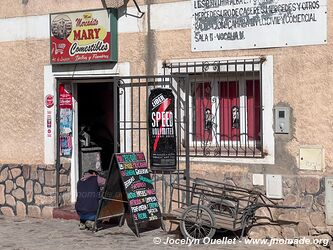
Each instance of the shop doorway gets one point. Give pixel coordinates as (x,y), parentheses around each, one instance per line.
(95,119)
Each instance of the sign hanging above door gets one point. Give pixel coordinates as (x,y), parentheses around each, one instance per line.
(84,37)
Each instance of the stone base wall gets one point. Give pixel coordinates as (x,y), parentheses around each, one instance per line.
(307,191)
(30,190)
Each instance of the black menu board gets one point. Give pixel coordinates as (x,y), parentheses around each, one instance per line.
(129,185)
(138,186)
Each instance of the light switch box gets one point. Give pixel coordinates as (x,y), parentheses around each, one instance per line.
(274,186)
(258,179)
(311,157)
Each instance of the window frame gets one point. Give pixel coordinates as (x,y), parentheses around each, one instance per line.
(267,101)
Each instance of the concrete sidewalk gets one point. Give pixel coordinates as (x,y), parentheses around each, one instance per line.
(62,234)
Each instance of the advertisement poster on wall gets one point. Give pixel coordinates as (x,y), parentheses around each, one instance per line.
(66,119)
(85,36)
(162,134)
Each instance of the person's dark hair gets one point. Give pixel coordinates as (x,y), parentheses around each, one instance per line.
(91,171)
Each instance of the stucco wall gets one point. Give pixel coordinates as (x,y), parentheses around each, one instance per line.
(10,8)
(302,77)
(22,101)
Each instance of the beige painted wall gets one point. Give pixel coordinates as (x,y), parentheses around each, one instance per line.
(14,8)
(302,79)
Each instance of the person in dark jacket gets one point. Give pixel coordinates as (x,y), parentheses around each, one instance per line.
(88,195)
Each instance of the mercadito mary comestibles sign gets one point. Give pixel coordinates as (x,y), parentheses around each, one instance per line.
(85,36)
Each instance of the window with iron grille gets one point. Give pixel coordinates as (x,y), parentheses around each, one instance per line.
(225,107)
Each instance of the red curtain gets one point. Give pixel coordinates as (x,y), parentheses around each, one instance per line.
(253,109)
(203,93)
(229,98)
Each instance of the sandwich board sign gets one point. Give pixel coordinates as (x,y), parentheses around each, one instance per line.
(129,193)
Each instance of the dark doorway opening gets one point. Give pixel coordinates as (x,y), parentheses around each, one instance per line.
(96,125)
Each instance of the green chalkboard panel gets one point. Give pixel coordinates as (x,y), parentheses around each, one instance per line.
(138,186)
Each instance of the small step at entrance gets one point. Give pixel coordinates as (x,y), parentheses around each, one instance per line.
(66,213)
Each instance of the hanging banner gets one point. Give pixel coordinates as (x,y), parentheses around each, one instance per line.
(86,36)
(66,119)
(246,24)
(162,134)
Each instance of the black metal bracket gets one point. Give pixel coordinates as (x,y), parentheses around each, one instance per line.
(141,13)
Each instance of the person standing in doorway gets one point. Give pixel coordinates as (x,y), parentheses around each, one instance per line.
(88,196)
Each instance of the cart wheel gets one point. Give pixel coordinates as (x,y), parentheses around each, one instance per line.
(197,222)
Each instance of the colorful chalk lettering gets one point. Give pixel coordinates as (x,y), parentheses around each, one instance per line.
(130,172)
(135,202)
(153,205)
(131,195)
(128,165)
(119,158)
(145,179)
(151,192)
(141,171)
(129,157)
(153,217)
(139,165)
(129,182)
(138,185)
(142,216)
(151,199)
(141,193)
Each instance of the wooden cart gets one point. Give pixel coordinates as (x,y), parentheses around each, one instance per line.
(214,205)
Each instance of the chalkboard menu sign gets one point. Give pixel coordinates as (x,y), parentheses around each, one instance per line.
(138,186)
(162,133)
(129,183)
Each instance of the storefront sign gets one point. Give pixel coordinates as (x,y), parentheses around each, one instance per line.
(245,24)
(86,36)
(130,188)
(162,134)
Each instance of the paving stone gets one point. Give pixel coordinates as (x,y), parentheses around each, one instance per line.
(20,182)
(41,178)
(29,190)
(26,171)
(2,194)
(288,233)
(49,190)
(9,186)
(50,178)
(37,188)
(303,228)
(317,219)
(21,209)
(33,173)
(34,211)
(18,193)
(15,172)
(10,200)
(7,211)
(3,175)
(47,212)
(44,200)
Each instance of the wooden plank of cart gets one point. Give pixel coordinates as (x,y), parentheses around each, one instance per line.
(216,205)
